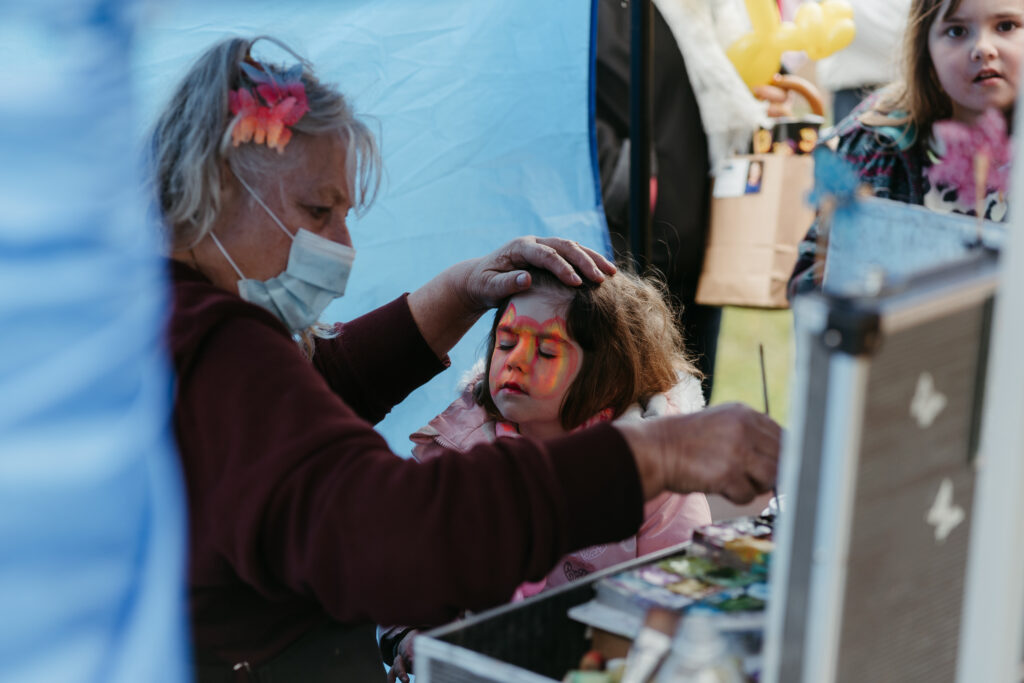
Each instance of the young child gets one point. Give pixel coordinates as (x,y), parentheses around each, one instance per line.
(961,59)
(560,359)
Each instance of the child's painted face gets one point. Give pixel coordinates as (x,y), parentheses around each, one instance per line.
(534,363)
(976,52)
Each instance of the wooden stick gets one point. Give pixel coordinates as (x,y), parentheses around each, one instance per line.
(764,379)
(981,166)
(764,390)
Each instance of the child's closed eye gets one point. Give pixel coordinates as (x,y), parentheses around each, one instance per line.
(506,341)
(549,351)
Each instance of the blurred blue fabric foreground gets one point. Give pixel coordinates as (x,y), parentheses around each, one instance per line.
(92,522)
(484,114)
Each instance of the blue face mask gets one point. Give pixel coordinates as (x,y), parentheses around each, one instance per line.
(316,275)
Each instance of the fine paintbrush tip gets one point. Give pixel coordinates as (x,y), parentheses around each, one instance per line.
(764,380)
(764,391)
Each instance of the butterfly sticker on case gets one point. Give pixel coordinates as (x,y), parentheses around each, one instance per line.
(944,515)
(928,402)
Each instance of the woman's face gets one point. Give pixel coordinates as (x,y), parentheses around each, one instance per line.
(976,52)
(310,192)
(534,363)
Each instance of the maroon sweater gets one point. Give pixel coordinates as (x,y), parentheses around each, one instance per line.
(300,513)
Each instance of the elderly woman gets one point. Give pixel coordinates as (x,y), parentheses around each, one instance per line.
(298,510)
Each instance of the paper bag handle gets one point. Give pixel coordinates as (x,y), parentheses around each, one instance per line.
(802,87)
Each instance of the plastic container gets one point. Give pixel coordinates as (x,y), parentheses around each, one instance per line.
(700,654)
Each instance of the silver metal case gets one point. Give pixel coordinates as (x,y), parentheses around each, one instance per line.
(878,481)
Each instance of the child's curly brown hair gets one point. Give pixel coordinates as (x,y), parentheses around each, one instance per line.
(632,347)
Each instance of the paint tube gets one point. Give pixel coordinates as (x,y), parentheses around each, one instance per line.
(651,645)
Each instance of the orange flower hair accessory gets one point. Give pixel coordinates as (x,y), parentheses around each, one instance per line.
(266,116)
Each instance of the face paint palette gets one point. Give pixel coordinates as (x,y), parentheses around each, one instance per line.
(744,544)
(723,571)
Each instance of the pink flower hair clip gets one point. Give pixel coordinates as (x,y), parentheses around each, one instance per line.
(266,116)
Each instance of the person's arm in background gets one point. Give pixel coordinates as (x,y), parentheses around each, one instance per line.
(613,162)
(396,650)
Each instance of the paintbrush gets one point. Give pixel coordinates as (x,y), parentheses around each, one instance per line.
(981,164)
(764,391)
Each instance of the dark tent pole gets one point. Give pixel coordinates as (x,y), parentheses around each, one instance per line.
(640,63)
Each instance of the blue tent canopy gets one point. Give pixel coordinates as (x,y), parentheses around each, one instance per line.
(484,113)
(92,511)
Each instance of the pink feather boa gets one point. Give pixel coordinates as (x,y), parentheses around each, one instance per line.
(963,144)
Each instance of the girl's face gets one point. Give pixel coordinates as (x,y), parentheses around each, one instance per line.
(534,363)
(976,52)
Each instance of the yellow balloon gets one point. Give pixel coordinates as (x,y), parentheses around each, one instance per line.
(841,36)
(819,29)
(754,60)
(789,37)
(764,16)
(836,9)
(810,17)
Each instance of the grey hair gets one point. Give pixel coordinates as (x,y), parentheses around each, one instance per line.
(192,137)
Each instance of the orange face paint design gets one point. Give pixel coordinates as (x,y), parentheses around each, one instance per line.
(534,361)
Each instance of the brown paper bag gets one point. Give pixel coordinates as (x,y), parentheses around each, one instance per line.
(755,228)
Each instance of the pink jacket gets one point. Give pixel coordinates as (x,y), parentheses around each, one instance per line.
(669,519)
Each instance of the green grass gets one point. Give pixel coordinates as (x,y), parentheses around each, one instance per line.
(737,368)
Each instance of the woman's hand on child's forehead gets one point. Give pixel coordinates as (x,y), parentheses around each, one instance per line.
(500,274)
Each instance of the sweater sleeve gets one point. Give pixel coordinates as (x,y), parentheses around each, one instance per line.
(296,494)
(376,360)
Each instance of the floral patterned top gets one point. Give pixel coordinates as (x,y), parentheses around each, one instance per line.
(894,164)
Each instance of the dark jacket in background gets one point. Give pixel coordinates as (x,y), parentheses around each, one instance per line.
(680,219)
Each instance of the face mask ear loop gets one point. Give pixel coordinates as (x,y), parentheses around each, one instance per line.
(265,207)
(224,251)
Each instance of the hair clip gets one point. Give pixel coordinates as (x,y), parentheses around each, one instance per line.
(265,117)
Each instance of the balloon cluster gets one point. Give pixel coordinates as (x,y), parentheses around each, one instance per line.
(819,29)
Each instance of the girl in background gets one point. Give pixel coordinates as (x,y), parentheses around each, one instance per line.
(961,61)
